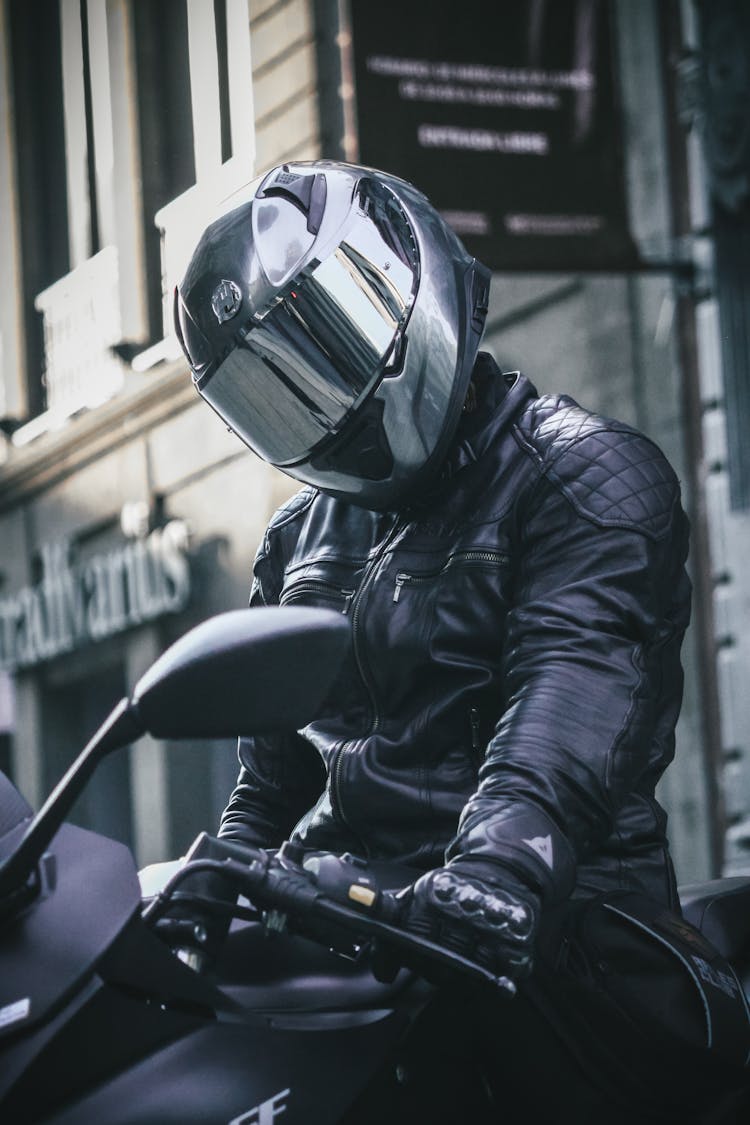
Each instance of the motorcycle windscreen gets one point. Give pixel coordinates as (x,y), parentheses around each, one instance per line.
(297,373)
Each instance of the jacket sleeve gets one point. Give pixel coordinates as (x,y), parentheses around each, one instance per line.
(592,675)
(279,780)
(280,776)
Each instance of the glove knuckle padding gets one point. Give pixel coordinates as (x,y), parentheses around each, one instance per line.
(487,922)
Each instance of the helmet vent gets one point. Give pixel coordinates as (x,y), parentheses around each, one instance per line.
(307,193)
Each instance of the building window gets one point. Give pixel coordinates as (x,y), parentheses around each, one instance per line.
(222,59)
(64,205)
(215,69)
(94,240)
(128,126)
(166,126)
(34,39)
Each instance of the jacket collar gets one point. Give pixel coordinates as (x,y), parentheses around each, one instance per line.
(500,397)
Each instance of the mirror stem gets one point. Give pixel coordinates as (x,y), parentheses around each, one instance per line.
(120,728)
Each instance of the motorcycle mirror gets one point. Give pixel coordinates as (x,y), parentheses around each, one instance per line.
(251,671)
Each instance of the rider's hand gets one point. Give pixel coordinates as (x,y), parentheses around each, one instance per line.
(478,910)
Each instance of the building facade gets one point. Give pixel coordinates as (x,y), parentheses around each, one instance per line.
(128,512)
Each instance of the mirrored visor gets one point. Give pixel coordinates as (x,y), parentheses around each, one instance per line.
(296,374)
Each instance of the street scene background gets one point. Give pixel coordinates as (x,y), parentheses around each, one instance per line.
(595,154)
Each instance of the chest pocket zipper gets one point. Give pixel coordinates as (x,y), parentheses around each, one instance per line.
(404,579)
(467,558)
(317,588)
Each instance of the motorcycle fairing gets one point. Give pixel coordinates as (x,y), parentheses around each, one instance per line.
(96,873)
(219,1073)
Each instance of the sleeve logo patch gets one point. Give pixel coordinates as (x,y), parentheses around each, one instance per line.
(542,845)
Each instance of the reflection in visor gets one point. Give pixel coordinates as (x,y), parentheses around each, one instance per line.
(297,373)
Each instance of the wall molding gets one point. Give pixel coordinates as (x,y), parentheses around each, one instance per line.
(150,399)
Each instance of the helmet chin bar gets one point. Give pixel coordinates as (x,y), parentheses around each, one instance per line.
(362,450)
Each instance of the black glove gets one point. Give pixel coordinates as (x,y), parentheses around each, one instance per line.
(480,911)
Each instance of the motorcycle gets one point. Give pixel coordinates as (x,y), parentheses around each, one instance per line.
(309,1011)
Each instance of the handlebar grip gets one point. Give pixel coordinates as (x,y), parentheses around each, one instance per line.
(389,908)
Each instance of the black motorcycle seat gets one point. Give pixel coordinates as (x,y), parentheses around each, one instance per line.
(720,909)
(283,972)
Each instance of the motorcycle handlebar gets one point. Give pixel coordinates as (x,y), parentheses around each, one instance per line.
(312,888)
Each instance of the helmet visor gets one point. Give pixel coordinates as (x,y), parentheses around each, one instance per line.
(297,372)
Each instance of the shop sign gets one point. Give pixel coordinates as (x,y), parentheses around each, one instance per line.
(506,116)
(77,602)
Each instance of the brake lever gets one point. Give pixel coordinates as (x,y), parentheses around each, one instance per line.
(423,948)
(358,905)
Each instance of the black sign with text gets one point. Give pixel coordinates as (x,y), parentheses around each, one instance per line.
(505,115)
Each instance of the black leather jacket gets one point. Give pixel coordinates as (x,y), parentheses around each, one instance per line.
(514,679)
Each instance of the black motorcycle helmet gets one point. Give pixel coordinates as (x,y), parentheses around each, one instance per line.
(333,322)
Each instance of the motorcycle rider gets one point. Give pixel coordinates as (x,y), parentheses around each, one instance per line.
(513,566)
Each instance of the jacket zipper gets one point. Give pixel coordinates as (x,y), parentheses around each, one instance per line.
(475,722)
(371,571)
(335,776)
(481,558)
(315,586)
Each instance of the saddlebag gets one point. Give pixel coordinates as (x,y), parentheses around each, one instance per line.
(647,1003)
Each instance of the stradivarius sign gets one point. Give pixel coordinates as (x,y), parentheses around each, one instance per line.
(77,602)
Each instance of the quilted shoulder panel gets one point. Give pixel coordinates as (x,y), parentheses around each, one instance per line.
(296,504)
(283,516)
(613,474)
(267,566)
